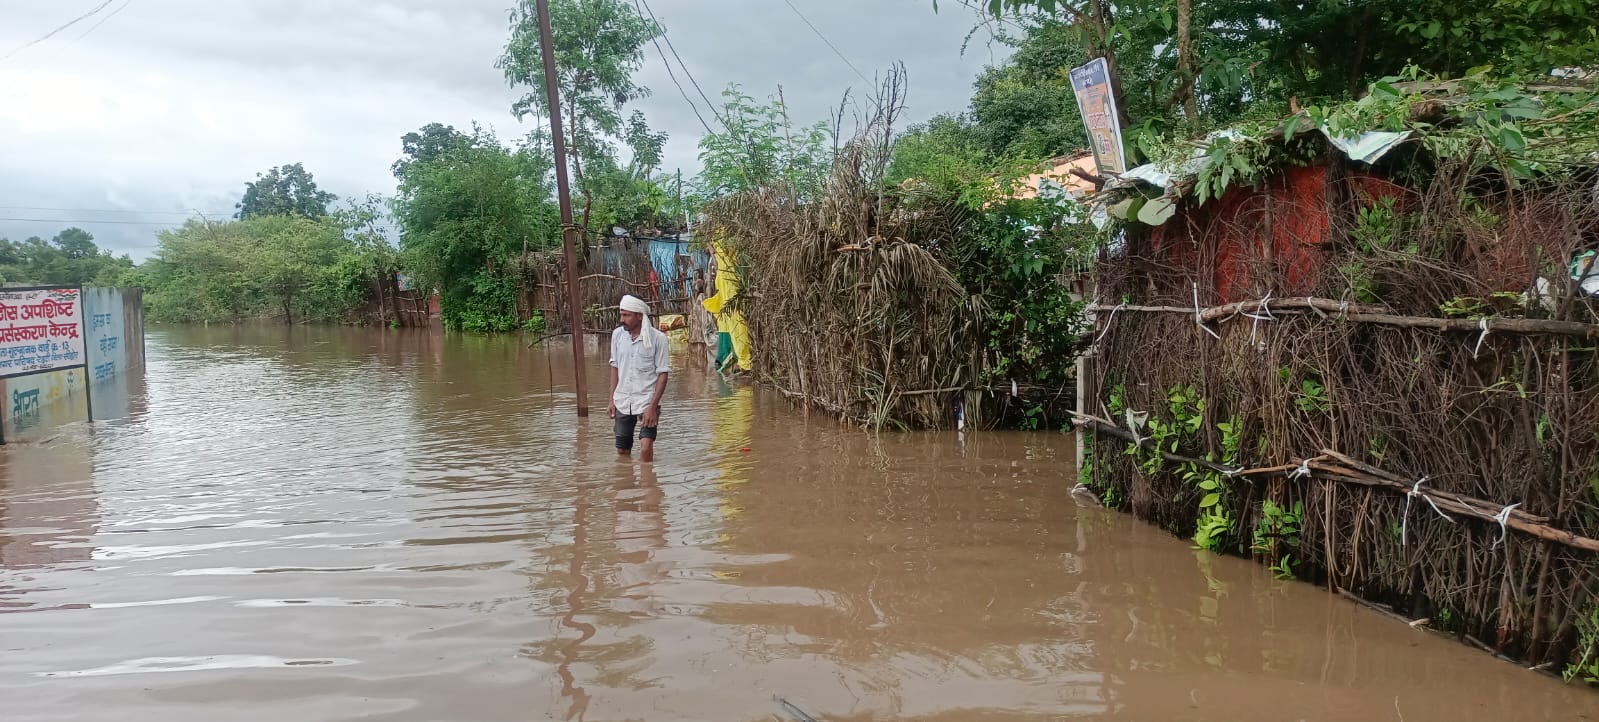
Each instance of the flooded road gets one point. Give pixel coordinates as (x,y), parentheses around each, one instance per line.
(316,525)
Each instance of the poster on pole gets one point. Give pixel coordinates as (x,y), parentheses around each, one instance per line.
(1097,104)
(41,329)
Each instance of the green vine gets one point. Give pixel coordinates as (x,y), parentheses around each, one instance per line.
(1523,128)
(1587,668)
(1279,526)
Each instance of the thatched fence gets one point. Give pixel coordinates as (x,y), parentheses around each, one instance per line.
(849,309)
(929,303)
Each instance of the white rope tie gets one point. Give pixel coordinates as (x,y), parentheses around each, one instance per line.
(1264,308)
(1503,517)
(1108,320)
(1311,302)
(1343,307)
(1415,491)
(1232,473)
(1200,320)
(1482,324)
(1302,471)
(1135,420)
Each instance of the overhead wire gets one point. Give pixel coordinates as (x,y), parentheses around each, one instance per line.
(708,104)
(691,80)
(137,211)
(829,43)
(96,26)
(87,221)
(673,75)
(54,32)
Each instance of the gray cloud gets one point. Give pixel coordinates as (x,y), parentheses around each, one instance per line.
(169,107)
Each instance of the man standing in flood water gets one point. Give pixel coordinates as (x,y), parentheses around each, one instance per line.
(640,361)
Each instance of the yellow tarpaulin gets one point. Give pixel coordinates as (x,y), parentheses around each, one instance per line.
(729,320)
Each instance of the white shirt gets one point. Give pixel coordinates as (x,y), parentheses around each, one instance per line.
(638,363)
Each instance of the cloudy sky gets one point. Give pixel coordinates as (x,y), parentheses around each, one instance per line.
(151,110)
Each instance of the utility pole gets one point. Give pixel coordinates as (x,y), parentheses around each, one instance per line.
(688,223)
(564,194)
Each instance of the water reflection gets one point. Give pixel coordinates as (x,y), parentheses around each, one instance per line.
(48,517)
(332,524)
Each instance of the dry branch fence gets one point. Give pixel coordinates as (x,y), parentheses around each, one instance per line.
(1431,403)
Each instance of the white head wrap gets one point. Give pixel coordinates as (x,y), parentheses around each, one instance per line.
(638,306)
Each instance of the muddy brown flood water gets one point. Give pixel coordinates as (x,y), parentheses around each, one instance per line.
(338,525)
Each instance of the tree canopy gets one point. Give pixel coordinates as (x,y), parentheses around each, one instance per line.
(467,216)
(759,146)
(1201,63)
(288,191)
(598,45)
(292,267)
(71,258)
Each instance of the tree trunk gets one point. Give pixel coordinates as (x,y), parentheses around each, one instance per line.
(288,310)
(521,282)
(394,295)
(1185,61)
(1102,21)
(1357,64)
(382,308)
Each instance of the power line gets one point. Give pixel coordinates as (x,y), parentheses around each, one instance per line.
(52,33)
(830,44)
(84,221)
(673,75)
(96,26)
(115,210)
(696,83)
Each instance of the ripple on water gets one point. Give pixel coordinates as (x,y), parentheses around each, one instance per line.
(163,665)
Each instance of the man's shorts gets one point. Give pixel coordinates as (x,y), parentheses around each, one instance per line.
(625,426)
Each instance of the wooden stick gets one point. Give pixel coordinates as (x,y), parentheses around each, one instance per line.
(634,284)
(1466,506)
(1214,313)
(1382,609)
(1494,325)
(1405,485)
(1268,470)
(924,392)
(1372,476)
(1103,426)
(1368,313)
(548,336)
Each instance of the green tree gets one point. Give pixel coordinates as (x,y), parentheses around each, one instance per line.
(375,257)
(944,152)
(468,218)
(300,264)
(430,142)
(289,267)
(1026,106)
(1203,63)
(71,258)
(627,195)
(598,45)
(287,191)
(198,273)
(759,147)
